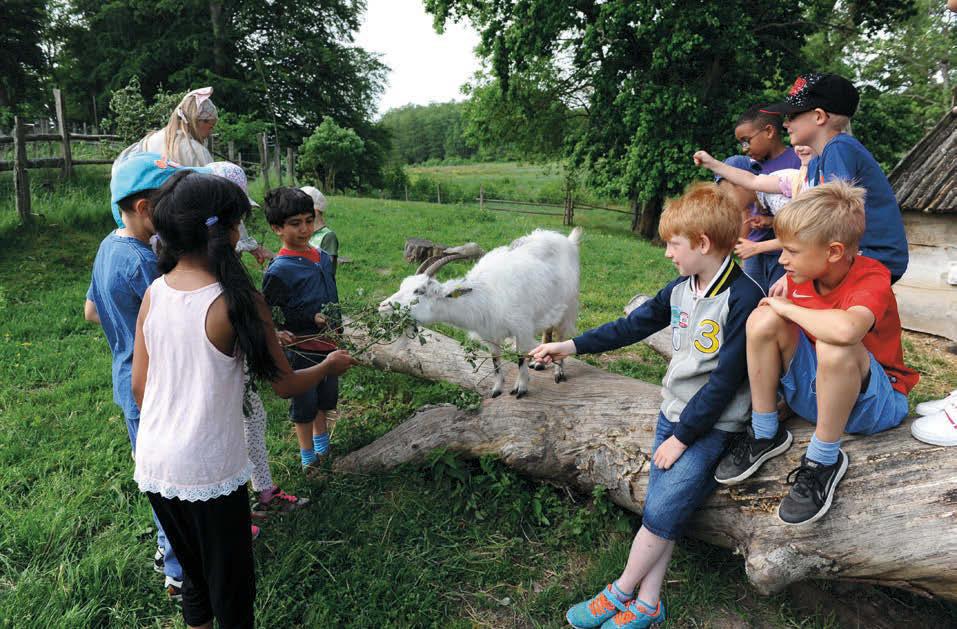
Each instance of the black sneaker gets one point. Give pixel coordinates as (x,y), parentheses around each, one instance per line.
(159,561)
(813,490)
(747,454)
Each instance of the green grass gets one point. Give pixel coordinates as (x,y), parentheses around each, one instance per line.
(501,180)
(452,543)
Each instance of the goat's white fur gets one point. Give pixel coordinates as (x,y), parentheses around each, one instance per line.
(513,292)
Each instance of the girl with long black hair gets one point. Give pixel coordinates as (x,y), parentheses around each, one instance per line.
(199,321)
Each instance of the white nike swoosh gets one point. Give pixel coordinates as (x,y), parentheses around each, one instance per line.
(798,295)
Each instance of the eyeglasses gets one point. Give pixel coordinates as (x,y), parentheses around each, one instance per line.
(746,143)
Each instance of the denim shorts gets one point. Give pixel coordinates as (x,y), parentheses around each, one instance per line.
(674,494)
(879,407)
(323,397)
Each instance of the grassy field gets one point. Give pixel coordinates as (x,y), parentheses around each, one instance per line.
(503,180)
(452,544)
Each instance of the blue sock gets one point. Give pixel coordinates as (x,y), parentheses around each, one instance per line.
(823,452)
(321,443)
(765,425)
(620,594)
(308,456)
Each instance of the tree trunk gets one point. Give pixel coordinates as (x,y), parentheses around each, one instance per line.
(220,59)
(648,223)
(894,521)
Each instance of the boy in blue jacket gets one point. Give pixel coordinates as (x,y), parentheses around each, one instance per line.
(706,393)
(300,281)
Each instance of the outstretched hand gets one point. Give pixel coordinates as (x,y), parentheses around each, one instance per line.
(547,353)
(703,158)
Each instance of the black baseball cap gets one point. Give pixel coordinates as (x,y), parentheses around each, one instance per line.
(830,92)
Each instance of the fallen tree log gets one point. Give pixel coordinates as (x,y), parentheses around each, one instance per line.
(893,523)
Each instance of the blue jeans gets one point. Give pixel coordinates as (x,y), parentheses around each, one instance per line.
(674,494)
(171,567)
(879,407)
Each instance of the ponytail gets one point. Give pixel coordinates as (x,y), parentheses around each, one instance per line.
(195,214)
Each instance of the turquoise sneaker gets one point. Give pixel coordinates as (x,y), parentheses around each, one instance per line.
(595,611)
(638,615)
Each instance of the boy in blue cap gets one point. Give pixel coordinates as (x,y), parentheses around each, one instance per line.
(124,268)
(817,111)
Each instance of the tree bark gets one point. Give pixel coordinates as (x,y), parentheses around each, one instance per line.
(894,521)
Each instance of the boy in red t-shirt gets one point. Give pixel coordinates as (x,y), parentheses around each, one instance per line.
(832,348)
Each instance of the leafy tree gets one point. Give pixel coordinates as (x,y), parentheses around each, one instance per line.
(286,62)
(427,132)
(132,117)
(653,81)
(329,150)
(23,61)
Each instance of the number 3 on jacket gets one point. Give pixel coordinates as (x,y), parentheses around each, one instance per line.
(708,342)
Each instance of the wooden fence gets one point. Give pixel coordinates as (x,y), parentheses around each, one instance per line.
(270,158)
(567,208)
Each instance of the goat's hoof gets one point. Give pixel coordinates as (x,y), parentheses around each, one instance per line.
(496,393)
(513,392)
(536,365)
(560,377)
(520,394)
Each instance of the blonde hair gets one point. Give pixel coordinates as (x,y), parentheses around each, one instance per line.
(830,212)
(184,119)
(703,210)
(839,123)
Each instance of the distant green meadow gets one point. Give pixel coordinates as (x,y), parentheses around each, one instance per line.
(452,543)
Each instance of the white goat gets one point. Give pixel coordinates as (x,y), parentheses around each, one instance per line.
(512,292)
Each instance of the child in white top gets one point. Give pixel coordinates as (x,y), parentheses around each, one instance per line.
(198,323)
(774,191)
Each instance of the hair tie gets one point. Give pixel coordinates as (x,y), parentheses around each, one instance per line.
(212,220)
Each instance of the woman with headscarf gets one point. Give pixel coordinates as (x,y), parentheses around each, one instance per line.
(181,141)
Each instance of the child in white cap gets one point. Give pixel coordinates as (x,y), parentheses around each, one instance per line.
(324,238)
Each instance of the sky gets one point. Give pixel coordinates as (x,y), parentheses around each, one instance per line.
(424,66)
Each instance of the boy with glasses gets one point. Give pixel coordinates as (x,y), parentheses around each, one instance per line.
(760,136)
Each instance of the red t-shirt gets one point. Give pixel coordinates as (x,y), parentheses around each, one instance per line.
(867,284)
(315,345)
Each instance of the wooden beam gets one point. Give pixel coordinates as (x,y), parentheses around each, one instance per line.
(21,180)
(64,133)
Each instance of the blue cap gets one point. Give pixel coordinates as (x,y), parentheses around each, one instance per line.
(743,162)
(142,171)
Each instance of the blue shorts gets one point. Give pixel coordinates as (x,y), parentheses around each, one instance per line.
(879,407)
(674,494)
(323,397)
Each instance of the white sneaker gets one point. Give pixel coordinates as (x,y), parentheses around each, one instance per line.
(935,406)
(939,429)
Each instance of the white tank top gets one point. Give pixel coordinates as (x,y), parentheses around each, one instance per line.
(190,443)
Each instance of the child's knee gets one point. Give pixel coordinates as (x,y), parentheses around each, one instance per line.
(832,357)
(763,322)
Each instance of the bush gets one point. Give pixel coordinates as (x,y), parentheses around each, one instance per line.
(132,117)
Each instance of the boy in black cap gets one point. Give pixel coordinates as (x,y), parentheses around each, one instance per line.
(816,111)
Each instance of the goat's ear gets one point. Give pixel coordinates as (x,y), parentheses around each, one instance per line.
(458,292)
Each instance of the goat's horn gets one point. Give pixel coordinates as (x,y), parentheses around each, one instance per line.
(428,262)
(438,264)
(468,250)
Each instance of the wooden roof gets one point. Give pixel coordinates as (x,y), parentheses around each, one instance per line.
(925,180)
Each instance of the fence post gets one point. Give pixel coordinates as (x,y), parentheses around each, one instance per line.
(64,133)
(231,151)
(569,218)
(406,186)
(264,161)
(481,197)
(438,192)
(291,165)
(21,181)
